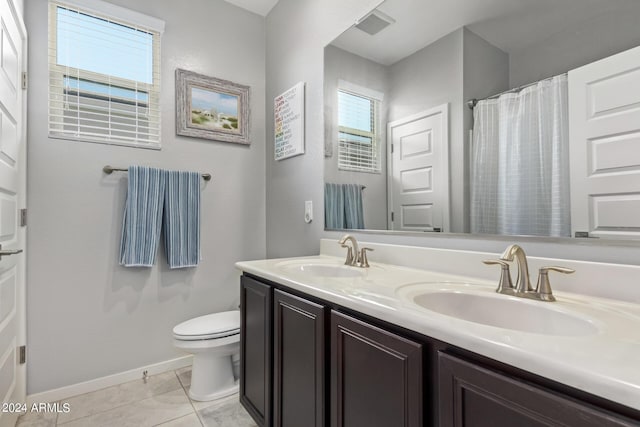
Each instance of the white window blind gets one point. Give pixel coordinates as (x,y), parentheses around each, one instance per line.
(104,78)
(358,132)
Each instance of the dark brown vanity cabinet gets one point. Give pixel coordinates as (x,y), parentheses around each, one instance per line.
(305,363)
(282,357)
(376,376)
(474,396)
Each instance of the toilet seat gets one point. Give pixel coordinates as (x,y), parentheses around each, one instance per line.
(208,327)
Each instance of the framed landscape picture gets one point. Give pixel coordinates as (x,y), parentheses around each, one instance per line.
(211,108)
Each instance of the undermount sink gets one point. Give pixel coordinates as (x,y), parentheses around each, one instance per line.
(323,270)
(489,308)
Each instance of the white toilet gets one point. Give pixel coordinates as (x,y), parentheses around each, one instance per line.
(214,341)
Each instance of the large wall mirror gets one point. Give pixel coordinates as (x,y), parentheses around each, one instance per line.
(501,117)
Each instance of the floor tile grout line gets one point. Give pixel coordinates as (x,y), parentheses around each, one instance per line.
(200,418)
(120,406)
(172,419)
(115,407)
(184,387)
(80,418)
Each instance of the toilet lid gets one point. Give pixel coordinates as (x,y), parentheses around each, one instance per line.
(217,325)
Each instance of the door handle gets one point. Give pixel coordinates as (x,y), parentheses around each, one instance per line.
(5,252)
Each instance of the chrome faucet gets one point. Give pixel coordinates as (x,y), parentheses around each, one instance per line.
(355,257)
(522,286)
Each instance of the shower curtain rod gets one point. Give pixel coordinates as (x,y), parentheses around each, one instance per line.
(473,102)
(110,169)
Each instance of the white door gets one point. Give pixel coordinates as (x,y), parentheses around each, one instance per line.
(604,130)
(12,199)
(419,165)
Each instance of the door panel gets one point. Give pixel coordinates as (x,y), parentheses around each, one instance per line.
(417,215)
(12,198)
(419,165)
(416,180)
(604,130)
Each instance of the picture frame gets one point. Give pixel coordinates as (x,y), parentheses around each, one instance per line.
(211,108)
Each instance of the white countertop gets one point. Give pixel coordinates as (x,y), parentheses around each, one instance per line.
(605,363)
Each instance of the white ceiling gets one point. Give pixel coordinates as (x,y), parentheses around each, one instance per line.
(510,25)
(261,7)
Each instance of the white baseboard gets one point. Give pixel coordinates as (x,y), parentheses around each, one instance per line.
(108,381)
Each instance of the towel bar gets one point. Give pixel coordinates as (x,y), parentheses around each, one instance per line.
(110,169)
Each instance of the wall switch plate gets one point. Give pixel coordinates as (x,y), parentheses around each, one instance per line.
(308,211)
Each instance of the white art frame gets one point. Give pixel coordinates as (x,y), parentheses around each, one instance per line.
(288,112)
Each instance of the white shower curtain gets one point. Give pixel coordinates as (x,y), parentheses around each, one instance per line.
(520,162)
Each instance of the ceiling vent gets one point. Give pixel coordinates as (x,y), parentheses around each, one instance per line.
(374,22)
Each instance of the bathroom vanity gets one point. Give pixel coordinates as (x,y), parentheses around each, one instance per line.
(327,344)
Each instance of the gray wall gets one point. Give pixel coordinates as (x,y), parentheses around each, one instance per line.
(342,65)
(87,316)
(428,78)
(297,31)
(604,35)
(486,72)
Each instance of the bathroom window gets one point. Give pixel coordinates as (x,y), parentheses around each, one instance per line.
(104,74)
(358,132)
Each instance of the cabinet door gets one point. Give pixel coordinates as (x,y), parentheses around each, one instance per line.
(473,396)
(255,349)
(299,362)
(376,376)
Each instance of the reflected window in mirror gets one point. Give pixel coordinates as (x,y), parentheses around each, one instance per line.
(358,132)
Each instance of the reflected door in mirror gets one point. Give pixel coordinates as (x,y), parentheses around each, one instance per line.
(419,184)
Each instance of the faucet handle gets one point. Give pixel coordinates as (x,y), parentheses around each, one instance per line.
(364,262)
(543,287)
(505,286)
(564,270)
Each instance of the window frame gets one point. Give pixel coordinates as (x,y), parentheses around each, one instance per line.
(58,93)
(344,145)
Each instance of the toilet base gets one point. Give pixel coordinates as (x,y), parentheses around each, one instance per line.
(219,394)
(212,373)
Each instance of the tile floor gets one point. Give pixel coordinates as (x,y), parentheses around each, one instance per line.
(161,401)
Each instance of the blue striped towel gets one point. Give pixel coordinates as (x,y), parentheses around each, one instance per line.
(334,206)
(142,216)
(182,219)
(353,211)
(343,207)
